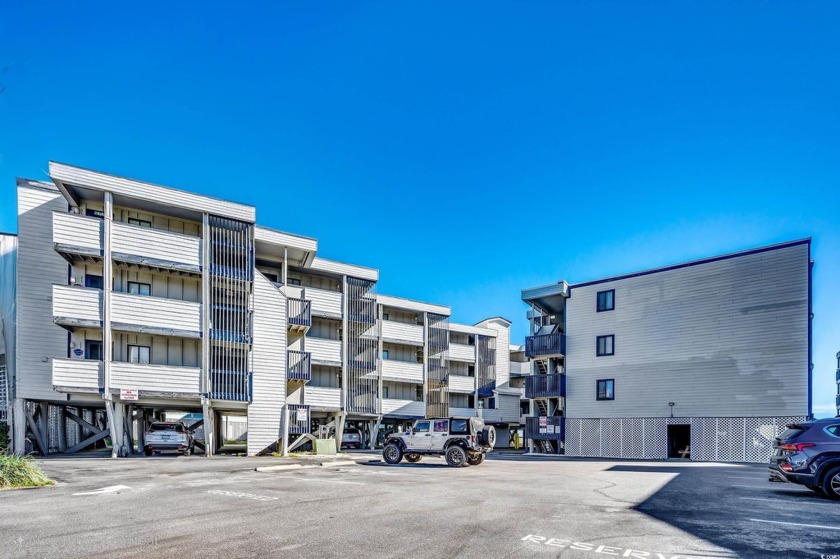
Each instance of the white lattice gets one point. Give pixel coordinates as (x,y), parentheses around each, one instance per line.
(727,439)
(3,394)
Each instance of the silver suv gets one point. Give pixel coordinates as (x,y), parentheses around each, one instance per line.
(462,441)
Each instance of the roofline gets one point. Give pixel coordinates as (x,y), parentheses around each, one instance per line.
(788,244)
(412,304)
(495,318)
(4,234)
(35,183)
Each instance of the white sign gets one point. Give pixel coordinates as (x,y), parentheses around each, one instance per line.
(550,429)
(301,414)
(543,421)
(128,394)
(542,429)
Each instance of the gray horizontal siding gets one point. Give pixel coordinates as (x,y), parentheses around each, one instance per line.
(727,338)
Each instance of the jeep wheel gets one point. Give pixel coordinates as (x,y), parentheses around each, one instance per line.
(475,459)
(413,457)
(487,436)
(456,456)
(392,453)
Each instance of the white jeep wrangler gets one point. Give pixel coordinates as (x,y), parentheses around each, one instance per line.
(463,441)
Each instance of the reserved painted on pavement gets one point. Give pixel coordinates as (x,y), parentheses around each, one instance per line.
(607,549)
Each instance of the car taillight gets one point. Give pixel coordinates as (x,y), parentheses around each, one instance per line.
(797,447)
(472,437)
(786,467)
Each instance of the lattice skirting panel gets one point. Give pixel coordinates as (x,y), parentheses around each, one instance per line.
(726,439)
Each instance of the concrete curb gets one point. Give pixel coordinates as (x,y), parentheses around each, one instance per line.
(280,467)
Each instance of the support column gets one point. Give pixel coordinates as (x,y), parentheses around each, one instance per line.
(18,426)
(107,338)
(339,430)
(206,389)
(284,449)
(141,432)
(44,425)
(62,430)
(374,431)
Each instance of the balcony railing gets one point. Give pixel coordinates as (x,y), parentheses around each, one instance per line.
(299,365)
(402,371)
(231,385)
(458,383)
(550,428)
(298,425)
(410,408)
(77,374)
(545,386)
(300,312)
(546,344)
(162,380)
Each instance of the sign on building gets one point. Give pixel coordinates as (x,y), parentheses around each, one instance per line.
(128,394)
(301,414)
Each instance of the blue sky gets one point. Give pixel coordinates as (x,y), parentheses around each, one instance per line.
(467,149)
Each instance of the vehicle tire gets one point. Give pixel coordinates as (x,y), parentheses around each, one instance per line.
(487,437)
(456,456)
(392,453)
(188,451)
(475,459)
(831,484)
(413,457)
(148,451)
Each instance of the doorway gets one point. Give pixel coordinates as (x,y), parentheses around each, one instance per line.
(679,441)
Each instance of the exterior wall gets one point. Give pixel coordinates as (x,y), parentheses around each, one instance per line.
(265,412)
(726,338)
(39,266)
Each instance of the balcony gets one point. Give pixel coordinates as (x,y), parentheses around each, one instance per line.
(76,306)
(77,375)
(324,351)
(545,428)
(463,412)
(298,424)
(325,303)
(546,345)
(299,365)
(159,381)
(233,386)
(155,315)
(461,352)
(402,333)
(77,237)
(545,386)
(322,398)
(458,383)
(403,408)
(402,371)
(155,249)
(299,313)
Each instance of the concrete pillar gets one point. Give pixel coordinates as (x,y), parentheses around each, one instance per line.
(374,431)
(19,426)
(62,430)
(141,431)
(44,424)
(284,448)
(339,430)
(209,428)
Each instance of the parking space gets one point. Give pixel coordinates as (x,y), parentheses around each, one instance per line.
(509,506)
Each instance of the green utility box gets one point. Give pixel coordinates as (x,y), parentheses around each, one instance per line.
(325,446)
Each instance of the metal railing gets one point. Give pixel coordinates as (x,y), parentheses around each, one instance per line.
(235,386)
(299,365)
(546,344)
(550,428)
(300,311)
(545,386)
(297,424)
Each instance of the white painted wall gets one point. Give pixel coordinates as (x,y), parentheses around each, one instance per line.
(727,338)
(265,413)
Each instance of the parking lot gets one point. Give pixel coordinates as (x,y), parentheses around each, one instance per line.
(511,506)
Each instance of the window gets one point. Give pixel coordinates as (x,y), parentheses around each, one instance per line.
(441,426)
(273,278)
(93,281)
(385,354)
(294,281)
(606,300)
(385,316)
(384,391)
(139,222)
(90,212)
(606,389)
(605,345)
(833,430)
(418,397)
(421,427)
(93,350)
(138,354)
(138,288)
(460,427)
(491,403)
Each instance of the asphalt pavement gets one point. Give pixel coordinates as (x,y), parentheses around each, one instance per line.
(510,506)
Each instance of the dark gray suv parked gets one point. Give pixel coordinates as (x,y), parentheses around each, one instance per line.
(808,453)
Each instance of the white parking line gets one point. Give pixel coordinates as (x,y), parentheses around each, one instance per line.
(796,524)
(104,490)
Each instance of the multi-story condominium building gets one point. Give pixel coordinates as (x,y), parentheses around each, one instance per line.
(837,401)
(134,298)
(8,251)
(706,360)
